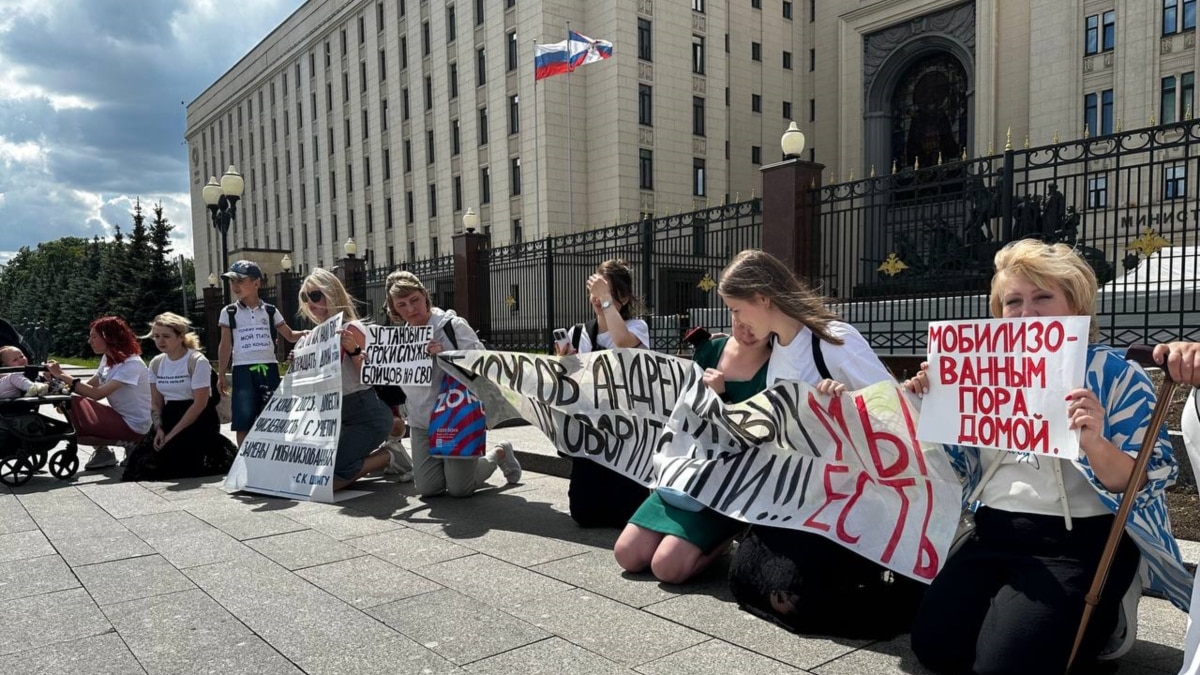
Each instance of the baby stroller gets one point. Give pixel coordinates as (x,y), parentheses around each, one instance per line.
(28,438)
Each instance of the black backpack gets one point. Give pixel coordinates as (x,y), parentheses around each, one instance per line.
(392,395)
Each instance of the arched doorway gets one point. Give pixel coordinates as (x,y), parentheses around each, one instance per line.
(929,111)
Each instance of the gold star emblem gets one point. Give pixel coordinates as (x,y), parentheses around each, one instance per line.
(892,266)
(510,301)
(1148,244)
(706,283)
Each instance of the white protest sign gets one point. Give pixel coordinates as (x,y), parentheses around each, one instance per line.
(290,450)
(847,468)
(396,355)
(1003,383)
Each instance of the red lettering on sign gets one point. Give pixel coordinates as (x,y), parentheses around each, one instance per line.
(831,496)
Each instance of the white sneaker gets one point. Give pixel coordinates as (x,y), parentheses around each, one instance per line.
(509,466)
(400,465)
(1125,634)
(102,458)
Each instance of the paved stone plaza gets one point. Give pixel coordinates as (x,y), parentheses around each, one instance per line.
(99,576)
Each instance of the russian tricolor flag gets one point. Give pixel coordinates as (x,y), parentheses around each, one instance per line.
(563,57)
(551,59)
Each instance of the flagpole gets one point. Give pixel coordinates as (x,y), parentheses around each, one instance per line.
(537,163)
(570,163)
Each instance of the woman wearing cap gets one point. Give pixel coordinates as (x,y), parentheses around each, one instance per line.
(366,421)
(458,477)
(122,379)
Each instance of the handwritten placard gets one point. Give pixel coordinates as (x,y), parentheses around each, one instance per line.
(396,355)
(1003,383)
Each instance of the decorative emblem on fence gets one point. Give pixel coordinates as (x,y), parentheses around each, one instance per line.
(1148,244)
(706,283)
(892,266)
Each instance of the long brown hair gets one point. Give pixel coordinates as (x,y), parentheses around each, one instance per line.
(754,272)
(620,280)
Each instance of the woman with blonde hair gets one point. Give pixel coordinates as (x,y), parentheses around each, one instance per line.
(409,302)
(1010,600)
(365,419)
(186,438)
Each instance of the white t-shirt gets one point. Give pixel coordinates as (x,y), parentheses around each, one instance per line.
(132,400)
(173,381)
(636,327)
(252,337)
(853,363)
(1026,483)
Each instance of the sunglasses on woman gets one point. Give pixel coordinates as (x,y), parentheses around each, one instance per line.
(312,297)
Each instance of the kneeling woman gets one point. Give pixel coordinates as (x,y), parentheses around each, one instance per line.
(366,420)
(186,440)
(671,534)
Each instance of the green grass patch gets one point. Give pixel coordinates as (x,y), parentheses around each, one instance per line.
(77,361)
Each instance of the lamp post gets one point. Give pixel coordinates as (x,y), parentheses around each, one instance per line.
(470,220)
(221,199)
(792,142)
(212,278)
(350,248)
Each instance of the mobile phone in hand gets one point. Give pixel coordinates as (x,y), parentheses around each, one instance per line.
(561,338)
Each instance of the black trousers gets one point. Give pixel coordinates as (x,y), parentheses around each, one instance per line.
(601,497)
(1011,599)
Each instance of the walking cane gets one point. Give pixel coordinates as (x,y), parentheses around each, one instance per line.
(1143,356)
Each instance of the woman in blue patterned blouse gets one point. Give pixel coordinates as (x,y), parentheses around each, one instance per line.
(1010,600)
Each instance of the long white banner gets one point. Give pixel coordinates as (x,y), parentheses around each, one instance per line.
(849,468)
(291,449)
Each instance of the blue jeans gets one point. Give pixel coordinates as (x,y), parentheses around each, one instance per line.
(253,384)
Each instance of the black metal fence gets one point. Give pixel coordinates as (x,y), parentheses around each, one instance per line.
(437,274)
(903,249)
(537,286)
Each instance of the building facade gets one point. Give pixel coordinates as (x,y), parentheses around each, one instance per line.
(384,120)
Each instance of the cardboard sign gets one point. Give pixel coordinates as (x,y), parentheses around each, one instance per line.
(396,355)
(1003,383)
(291,448)
(848,468)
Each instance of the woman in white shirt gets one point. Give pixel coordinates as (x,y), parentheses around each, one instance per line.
(599,496)
(121,379)
(186,439)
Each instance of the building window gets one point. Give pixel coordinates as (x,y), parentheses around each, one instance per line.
(1187,90)
(698,54)
(1167,99)
(1097,192)
(383,114)
(408,163)
(643,38)
(812,60)
(483,126)
(755,103)
(451,25)
(382,65)
(514,114)
(455,138)
(697,116)
(428,93)
(366,128)
(698,6)
(453,74)
(645,105)
(755,51)
(756,4)
(478,12)
(1092,34)
(429,156)
(387,163)
(1090,110)
(646,169)
(480,67)
(787,10)
(403,52)
(517,233)
(755,155)
(1106,111)
(458,194)
(1108,31)
(485,185)
(424,38)
(698,180)
(1175,182)
(787,60)
(515,176)
(512,51)
(432,201)
(410,208)
(1170,17)
(405,111)
(787,110)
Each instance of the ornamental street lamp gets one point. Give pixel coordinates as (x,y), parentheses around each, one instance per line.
(221,199)
(792,142)
(470,220)
(350,248)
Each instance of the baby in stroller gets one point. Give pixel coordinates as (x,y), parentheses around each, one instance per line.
(27,437)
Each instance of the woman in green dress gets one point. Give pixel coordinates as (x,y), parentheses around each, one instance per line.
(676,543)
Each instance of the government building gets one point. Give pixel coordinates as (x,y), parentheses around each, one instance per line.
(385,120)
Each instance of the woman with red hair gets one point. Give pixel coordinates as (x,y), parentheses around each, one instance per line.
(122,379)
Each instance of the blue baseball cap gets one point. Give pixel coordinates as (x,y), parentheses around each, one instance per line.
(243,269)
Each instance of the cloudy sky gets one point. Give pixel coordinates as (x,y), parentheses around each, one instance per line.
(92,115)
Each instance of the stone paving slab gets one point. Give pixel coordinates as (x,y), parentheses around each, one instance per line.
(552,656)
(493,581)
(13,516)
(306,548)
(409,548)
(187,632)
(97,655)
(367,581)
(35,621)
(24,545)
(455,626)
(131,579)
(718,658)
(21,578)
